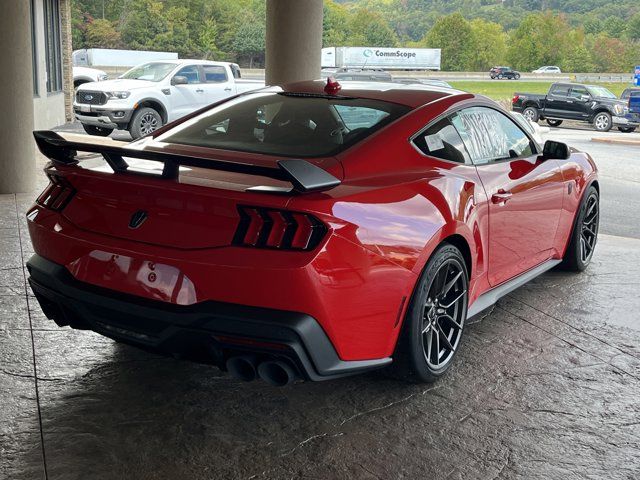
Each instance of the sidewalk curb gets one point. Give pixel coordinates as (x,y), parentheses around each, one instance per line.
(618,141)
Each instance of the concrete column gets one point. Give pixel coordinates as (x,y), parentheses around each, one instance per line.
(293,40)
(67,59)
(17,154)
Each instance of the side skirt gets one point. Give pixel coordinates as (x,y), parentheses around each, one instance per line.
(487,299)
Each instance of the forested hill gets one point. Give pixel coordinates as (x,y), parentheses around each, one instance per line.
(577,35)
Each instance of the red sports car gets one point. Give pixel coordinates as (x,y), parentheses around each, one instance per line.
(308,231)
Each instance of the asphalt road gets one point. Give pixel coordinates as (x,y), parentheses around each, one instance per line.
(619,167)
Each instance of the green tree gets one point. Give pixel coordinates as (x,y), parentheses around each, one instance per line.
(249,43)
(102,34)
(368,28)
(207,37)
(335,24)
(633,27)
(539,40)
(578,58)
(611,54)
(454,36)
(489,40)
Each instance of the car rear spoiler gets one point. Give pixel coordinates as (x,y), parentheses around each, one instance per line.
(303,175)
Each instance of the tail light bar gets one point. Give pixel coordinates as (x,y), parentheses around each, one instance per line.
(57,194)
(280,229)
(515,99)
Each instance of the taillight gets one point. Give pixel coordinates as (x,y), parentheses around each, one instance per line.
(515,99)
(57,195)
(271,228)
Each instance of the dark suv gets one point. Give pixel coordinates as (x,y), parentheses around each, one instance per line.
(504,72)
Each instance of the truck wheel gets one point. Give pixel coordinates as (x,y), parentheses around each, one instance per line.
(434,323)
(97,131)
(602,122)
(554,123)
(144,121)
(627,129)
(500,77)
(517,76)
(531,114)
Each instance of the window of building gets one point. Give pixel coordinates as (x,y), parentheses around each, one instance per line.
(52,45)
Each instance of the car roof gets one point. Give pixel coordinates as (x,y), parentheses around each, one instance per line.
(411,95)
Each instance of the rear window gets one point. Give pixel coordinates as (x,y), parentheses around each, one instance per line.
(284,124)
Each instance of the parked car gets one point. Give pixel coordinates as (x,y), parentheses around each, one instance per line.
(626,94)
(572,101)
(548,69)
(85,75)
(504,72)
(308,231)
(153,94)
(422,81)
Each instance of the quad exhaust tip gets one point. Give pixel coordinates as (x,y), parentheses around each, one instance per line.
(243,368)
(277,373)
(274,372)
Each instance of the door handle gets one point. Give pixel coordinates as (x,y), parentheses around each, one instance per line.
(228,89)
(501,197)
(199,90)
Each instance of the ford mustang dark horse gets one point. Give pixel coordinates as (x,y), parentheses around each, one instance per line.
(308,231)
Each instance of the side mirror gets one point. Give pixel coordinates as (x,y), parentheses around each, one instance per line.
(179,80)
(556,150)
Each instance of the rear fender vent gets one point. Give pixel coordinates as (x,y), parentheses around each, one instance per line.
(278,229)
(57,194)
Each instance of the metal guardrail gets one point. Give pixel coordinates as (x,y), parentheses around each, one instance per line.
(604,78)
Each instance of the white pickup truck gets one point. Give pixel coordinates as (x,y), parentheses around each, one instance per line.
(153,94)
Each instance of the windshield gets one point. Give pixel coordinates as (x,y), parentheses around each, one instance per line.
(286,124)
(600,92)
(149,71)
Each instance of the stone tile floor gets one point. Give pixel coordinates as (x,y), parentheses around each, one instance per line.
(547,385)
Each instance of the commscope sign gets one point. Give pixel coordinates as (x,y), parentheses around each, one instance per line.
(402,58)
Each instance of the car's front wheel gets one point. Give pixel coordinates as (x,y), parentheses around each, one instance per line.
(434,323)
(602,122)
(517,76)
(97,131)
(554,123)
(627,129)
(145,121)
(584,234)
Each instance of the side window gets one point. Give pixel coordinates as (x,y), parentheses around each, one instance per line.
(577,92)
(442,140)
(560,90)
(215,74)
(192,73)
(490,136)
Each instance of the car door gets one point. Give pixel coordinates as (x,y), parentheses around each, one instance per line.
(581,103)
(525,192)
(557,102)
(188,97)
(217,85)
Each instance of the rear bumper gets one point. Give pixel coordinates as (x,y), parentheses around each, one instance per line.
(207,331)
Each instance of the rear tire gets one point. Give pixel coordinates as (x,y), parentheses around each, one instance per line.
(602,122)
(97,131)
(627,129)
(554,123)
(434,323)
(500,77)
(531,114)
(584,235)
(144,122)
